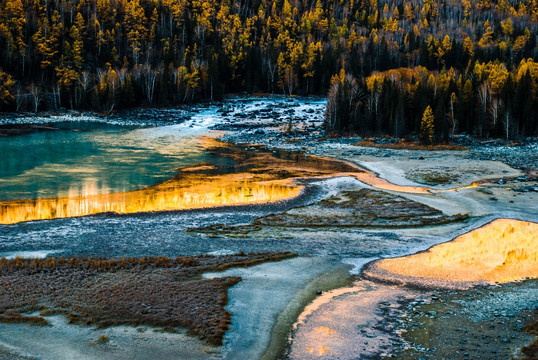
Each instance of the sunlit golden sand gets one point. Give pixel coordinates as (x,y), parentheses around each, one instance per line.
(379,183)
(502,251)
(323,335)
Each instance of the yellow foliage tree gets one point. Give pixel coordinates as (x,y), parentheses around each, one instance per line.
(427,126)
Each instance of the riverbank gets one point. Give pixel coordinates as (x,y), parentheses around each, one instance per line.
(481,323)
(290,283)
(435,185)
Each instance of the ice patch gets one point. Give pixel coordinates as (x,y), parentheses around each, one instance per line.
(221,252)
(38,254)
(358,263)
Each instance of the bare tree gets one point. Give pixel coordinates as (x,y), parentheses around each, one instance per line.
(149,76)
(452,118)
(373,106)
(332,108)
(507,122)
(84,83)
(113,82)
(35,92)
(56,92)
(494,109)
(272,67)
(484,96)
(19,96)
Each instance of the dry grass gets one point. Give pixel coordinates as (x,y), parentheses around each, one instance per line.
(531,351)
(361,208)
(403,144)
(532,328)
(358,208)
(152,291)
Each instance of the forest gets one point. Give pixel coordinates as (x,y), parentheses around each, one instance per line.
(429,67)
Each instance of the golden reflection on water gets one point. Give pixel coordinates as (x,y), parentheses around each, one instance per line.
(258,177)
(502,251)
(145,200)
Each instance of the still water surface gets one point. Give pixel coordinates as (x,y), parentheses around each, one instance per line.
(91,158)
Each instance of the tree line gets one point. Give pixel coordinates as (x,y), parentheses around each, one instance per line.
(105,55)
(486,100)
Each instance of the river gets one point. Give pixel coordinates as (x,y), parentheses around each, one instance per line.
(123,172)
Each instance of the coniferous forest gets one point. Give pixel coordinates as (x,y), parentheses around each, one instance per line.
(427,67)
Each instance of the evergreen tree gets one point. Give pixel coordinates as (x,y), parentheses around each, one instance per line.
(427,126)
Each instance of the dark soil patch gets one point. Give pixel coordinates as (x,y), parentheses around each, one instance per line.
(153,291)
(431,177)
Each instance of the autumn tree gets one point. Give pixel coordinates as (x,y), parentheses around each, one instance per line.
(427,126)
(6,88)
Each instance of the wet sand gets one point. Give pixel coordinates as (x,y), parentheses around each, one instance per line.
(411,317)
(481,323)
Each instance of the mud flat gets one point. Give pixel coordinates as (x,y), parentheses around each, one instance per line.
(346,323)
(155,291)
(485,322)
(423,193)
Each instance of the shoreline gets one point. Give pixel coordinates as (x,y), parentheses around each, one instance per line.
(483,202)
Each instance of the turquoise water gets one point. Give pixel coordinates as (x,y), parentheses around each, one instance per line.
(90,157)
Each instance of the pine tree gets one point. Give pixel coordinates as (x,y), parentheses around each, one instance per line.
(427,126)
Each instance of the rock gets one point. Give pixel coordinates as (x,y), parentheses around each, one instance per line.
(485,191)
